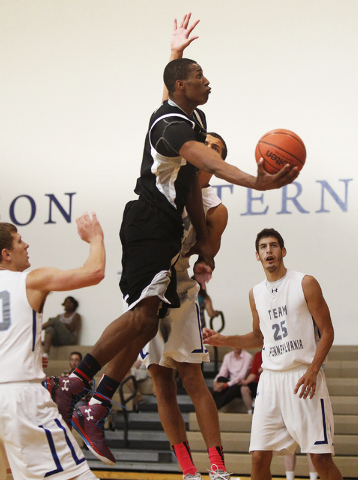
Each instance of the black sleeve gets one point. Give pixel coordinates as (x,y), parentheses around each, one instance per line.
(169,135)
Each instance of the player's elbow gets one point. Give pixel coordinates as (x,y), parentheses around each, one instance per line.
(96,276)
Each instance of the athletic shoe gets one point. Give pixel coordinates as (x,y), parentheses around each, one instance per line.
(218,474)
(189,476)
(66,392)
(89,422)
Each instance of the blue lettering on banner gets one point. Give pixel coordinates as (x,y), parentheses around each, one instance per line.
(291,202)
(67,215)
(290,198)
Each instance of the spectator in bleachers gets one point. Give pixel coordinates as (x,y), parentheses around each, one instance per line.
(249,385)
(236,367)
(63,329)
(140,373)
(75,359)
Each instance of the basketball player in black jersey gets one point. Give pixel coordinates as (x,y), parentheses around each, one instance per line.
(151,235)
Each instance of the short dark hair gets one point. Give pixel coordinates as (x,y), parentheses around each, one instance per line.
(77,353)
(269,232)
(7,230)
(177,69)
(73,300)
(219,137)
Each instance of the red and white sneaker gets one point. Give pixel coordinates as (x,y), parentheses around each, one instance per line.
(89,422)
(66,392)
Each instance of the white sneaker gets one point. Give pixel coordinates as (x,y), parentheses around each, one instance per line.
(189,476)
(219,475)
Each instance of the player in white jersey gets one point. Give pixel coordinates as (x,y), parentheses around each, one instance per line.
(292,404)
(34,439)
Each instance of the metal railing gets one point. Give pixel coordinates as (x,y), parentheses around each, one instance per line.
(219,330)
(124,410)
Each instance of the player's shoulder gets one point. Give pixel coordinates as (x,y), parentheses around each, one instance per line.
(308,281)
(210,198)
(299,277)
(258,288)
(9,275)
(167,110)
(199,113)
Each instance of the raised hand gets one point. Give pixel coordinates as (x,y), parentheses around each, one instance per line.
(202,273)
(89,228)
(181,34)
(211,337)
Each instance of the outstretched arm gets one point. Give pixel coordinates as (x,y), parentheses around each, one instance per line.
(180,40)
(197,154)
(44,280)
(320,312)
(253,339)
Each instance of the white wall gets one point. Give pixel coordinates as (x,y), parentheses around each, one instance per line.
(79,80)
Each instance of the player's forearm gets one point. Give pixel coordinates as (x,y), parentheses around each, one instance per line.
(323,348)
(197,154)
(94,267)
(249,340)
(196,212)
(174,55)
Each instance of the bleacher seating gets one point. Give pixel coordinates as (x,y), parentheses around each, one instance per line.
(342,379)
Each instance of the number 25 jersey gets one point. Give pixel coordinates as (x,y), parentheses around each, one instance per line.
(289,331)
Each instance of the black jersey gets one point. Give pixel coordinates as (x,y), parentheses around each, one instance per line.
(165,177)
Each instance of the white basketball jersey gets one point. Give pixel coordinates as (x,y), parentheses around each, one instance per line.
(289,331)
(20,331)
(210,200)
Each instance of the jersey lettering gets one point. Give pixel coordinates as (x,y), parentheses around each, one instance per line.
(277,312)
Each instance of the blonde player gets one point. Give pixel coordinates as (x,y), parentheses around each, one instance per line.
(34,439)
(292,404)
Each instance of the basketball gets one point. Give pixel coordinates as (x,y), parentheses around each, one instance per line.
(280,147)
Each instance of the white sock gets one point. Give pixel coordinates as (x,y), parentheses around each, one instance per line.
(290,475)
(249,412)
(313,475)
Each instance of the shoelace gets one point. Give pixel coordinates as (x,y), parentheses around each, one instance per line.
(219,473)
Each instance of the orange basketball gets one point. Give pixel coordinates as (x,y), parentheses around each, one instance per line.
(279,147)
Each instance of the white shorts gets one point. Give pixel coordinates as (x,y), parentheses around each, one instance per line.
(33,436)
(282,420)
(179,336)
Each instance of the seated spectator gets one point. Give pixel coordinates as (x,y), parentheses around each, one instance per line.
(75,359)
(227,384)
(290,464)
(140,373)
(63,329)
(249,385)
